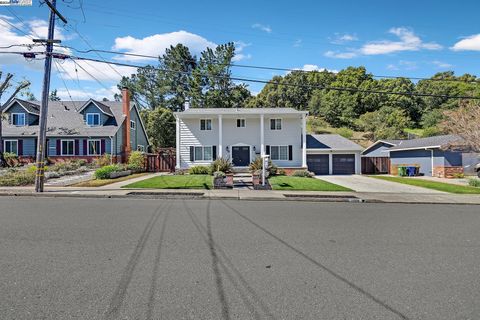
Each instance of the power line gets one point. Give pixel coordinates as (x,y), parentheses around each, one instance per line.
(93,77)
(16,28)
(65,84)
(345,89)
(266,67)
(22,21)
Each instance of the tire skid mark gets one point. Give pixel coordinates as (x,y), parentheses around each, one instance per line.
(118,296)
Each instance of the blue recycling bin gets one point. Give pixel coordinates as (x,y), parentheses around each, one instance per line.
(411,171)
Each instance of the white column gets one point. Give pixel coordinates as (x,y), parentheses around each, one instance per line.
(330,163)
(220,136)
(178,142)
(262,135)
(304,141)
(358,164)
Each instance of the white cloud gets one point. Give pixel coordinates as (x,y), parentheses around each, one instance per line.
(262,27)
(239,54)
(341,38)
(403,65)
(100,71)
(87,93)
(408,41)
(470,43)
(156,44)
(341,55)
(297,43)
(442,65)
(313,67)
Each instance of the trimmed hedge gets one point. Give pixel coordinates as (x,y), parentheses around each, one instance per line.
(199,170)
(104,172)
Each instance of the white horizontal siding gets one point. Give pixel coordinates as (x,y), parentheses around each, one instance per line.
(290,134)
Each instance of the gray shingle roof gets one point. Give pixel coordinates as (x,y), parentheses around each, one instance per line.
(104,108)
(30,106)
(331,141)
(436,141)
(65,120)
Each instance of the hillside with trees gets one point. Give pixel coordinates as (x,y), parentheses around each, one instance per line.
(352,102)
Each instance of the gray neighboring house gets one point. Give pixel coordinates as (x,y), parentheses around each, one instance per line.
(332,154)
(438,156)
(76,129)
(376,158)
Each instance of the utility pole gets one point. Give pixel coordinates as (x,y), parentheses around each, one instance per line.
(42,135)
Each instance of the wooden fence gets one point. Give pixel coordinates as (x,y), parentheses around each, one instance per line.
(162,161)
(375,165)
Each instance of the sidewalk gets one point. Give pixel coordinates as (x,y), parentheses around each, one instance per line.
(272,195)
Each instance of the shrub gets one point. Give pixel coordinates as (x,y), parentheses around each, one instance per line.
(11,159)
(104,172)
(102,161)
(80,162)
(136,161)
(474,182)
(303,173)
(199,170)
(65,166)
(221,164)
(219,174)
(345,132)
(257,165)
(458,175)
(179,173)
(17,178)
(281,172)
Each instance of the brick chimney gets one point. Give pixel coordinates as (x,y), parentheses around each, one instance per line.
(127,146)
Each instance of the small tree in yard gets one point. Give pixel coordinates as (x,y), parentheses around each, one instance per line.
(465,122)
(5,86)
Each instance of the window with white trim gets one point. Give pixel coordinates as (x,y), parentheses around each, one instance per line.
(140,148)
(94,147)
(132,124)
(203,153)
(68,147)
(205,124)
(93,119)
(275,124)
(279,152)
(10,146)
(241,123)
(18,119)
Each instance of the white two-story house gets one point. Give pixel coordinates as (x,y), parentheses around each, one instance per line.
(241,135)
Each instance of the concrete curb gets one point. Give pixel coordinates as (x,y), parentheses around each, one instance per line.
(216,197)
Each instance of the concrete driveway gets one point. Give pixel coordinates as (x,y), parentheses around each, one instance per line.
(361,183)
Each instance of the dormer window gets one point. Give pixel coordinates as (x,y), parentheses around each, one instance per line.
(132,124)
(93,119)
(18,119)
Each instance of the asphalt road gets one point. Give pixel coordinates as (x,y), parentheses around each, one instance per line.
(64,258)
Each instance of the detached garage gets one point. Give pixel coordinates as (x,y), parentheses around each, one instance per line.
(332,154)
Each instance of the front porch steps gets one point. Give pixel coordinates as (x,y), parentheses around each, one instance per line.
(242,181)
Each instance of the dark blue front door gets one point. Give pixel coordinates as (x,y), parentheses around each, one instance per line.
(241,156)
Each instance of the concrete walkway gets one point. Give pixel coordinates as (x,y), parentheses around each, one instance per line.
(361,183)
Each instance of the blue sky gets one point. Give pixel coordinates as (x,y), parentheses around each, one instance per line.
(400,38)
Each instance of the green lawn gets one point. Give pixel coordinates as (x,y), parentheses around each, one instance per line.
(174,182)
(300,183)
(440,186)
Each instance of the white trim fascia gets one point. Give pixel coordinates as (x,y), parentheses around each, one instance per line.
(18,101)
(377,142)
(416,148)
(95,103)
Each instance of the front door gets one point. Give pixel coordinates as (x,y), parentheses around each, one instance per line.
(241,156)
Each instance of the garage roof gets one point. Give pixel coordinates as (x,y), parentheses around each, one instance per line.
(331,142)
